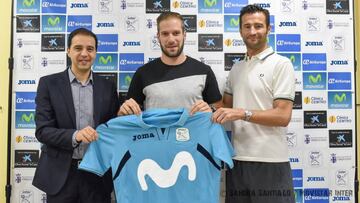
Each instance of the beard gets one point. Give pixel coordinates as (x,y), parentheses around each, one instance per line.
(176,54)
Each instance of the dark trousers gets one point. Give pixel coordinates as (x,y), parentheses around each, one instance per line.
(82,187)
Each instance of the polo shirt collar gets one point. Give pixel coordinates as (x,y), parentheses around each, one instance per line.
(262,55)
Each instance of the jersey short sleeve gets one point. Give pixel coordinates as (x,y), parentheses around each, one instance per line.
(211,93)
(222,148)
(284,81)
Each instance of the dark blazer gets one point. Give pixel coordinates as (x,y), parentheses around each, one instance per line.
(56,123)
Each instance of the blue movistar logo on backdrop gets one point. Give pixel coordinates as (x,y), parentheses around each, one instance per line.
(297,175)
(234,6)
(25,100)
(339,81)
(314,81)
(106,62)
(288,42)
(75,22)
(53,6)
(316,195)
(314,62)
(107,42)
(131,61)
(295,59)
(125,80)
(231,23)
(210,6)
(53,23)
(25,119)
(28,6)
(340,100)
(271,41)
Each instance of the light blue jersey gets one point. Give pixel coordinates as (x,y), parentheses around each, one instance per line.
(162,156)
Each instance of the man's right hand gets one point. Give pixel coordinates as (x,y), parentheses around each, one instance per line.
(86,135)
(129,107)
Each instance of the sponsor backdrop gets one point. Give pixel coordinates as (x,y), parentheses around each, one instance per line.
(317,36)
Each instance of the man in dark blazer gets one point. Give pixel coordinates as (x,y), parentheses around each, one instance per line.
(69,106)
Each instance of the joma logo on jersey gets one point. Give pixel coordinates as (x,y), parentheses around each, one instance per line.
(131,43)
(287,24)
(79,5)
(339,62)
(105,25)
(143,136)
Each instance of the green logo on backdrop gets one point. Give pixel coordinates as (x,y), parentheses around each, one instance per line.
(210,3)
(340,99)
(234,22)
(28,3)
(316,79)
(103,60)
(53,21)
(27,118)
(128,80)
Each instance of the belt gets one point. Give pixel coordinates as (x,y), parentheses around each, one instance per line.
(75,162)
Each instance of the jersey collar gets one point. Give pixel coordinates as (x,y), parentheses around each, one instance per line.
(163,118)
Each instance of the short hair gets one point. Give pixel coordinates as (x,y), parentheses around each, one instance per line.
(253,8)
(82,31)
(168,15)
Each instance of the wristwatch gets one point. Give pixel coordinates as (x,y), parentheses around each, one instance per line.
(248,115)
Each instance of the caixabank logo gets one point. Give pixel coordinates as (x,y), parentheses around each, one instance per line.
(340,100)
(339,81)
(231,23)
(314,62)
(340,138)
(109,76)
(130,61)
(106,62)
(53,42)
(337,7)
(190,23)
(314,81)
(53,6)
(298,100)
(25,100)
(288,42)
(210,6)
(107,42)
(53,23)
(26,158)
(28,23)
(124,81)
(28,6)
(295,59)
(234,6)
(315,119)
(316,195)
(25,119)
(232,58)
(210,42)
(77,21)
(157,6)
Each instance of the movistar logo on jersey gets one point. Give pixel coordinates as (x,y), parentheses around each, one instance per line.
(339,81)
(106,62)
(295,59)
(75,22)
(53,23)
(25,119)
(234,6)
(28,6)
(314,62)
(340,100)
(314,81)
(288,42)
(210,6)
(166,178)
(53,6)
(131,61)
(231,23)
